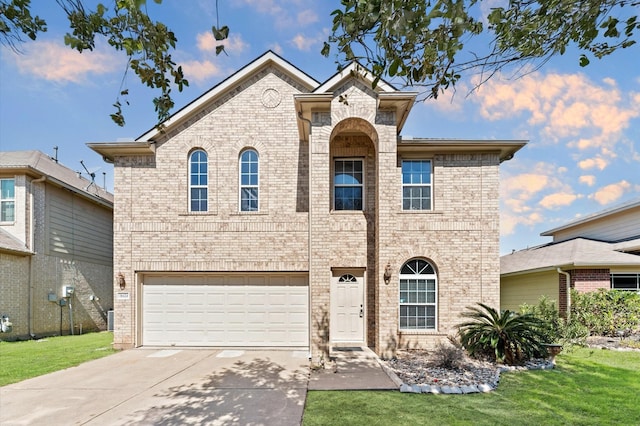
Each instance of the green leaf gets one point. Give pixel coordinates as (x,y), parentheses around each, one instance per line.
(584,61)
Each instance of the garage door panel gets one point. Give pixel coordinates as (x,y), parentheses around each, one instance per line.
(178,312)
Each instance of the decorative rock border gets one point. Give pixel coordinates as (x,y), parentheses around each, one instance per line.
(466,389)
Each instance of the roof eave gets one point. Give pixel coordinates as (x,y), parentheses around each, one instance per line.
(506,149)
(14,252)
(111,150)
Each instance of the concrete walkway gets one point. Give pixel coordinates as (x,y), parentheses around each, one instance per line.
(165,387)
(353,368)
(187,387)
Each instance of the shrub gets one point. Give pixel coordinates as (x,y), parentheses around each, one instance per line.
(449,355)
(555,328)
(547,312)
(508,337)
(606,312)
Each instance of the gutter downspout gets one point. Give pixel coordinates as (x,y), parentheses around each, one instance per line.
(309,234)
(568,283)
(32,248)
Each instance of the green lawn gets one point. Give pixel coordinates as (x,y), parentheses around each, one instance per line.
(588,387)
(23,360)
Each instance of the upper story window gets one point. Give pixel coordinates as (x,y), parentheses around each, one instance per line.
(418,296)
(7,200)
(198,181)
(416,184)
(628,282)
(348,184)
(249,181)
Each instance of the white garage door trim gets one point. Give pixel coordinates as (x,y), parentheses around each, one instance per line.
(230,310)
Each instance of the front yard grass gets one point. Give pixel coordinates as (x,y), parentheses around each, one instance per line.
(31,358)
(588,387)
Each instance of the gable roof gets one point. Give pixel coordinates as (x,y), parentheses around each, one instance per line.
(578,252)
(350,71)
(37,164)
(267,59)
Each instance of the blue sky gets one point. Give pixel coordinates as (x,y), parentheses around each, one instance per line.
(583,124)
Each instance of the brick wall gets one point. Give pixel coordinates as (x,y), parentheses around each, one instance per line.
(586,280)
(154,231)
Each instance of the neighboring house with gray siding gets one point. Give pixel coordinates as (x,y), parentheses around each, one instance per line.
(600,250)
(278,211)
(56,232)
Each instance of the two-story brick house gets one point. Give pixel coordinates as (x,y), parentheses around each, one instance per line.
(56,248)
(277,211)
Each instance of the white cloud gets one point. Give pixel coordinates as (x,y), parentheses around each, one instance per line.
(206,42)
(307,17)
(559,199)
(565,106)
(588,180)
(508,222)
(610,193)
(55,62)
(277,48)
(527,196)
(302,42)
(201,71)
(591,163)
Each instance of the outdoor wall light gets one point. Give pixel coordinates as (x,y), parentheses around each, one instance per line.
(387,274)
(121,282)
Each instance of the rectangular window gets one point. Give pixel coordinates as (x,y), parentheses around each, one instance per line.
(348,184)
(628,282)
(7,200)
(416,184)
(417,304)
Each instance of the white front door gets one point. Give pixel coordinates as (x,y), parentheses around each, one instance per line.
(347,309)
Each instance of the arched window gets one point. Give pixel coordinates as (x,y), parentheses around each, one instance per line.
(198,181)
(418,296)
(347,278)
(249,181)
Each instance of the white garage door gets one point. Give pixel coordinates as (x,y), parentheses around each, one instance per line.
(226,310)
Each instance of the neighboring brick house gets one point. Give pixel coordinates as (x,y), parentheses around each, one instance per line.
(56,231)
(277,211)
(601,250)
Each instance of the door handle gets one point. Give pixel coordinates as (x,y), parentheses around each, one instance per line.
(361,312)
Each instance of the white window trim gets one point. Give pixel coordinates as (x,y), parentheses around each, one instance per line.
(333,183)
(191,186)
(435,304)
(9,200)
(403,185)
(637,275)
(241,186)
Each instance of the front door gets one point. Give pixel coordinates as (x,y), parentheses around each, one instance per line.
(347,309)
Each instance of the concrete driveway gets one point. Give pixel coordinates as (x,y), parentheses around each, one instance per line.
(166,387)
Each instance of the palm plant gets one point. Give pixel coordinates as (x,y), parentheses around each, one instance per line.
(509,337)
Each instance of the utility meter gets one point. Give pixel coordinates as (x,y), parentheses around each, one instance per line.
(68,291)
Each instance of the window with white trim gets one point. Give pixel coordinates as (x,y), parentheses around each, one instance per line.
(627,282)
(198,181)
(418,296)
(7,200)
(249,181)
(416,185)
(348,184)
